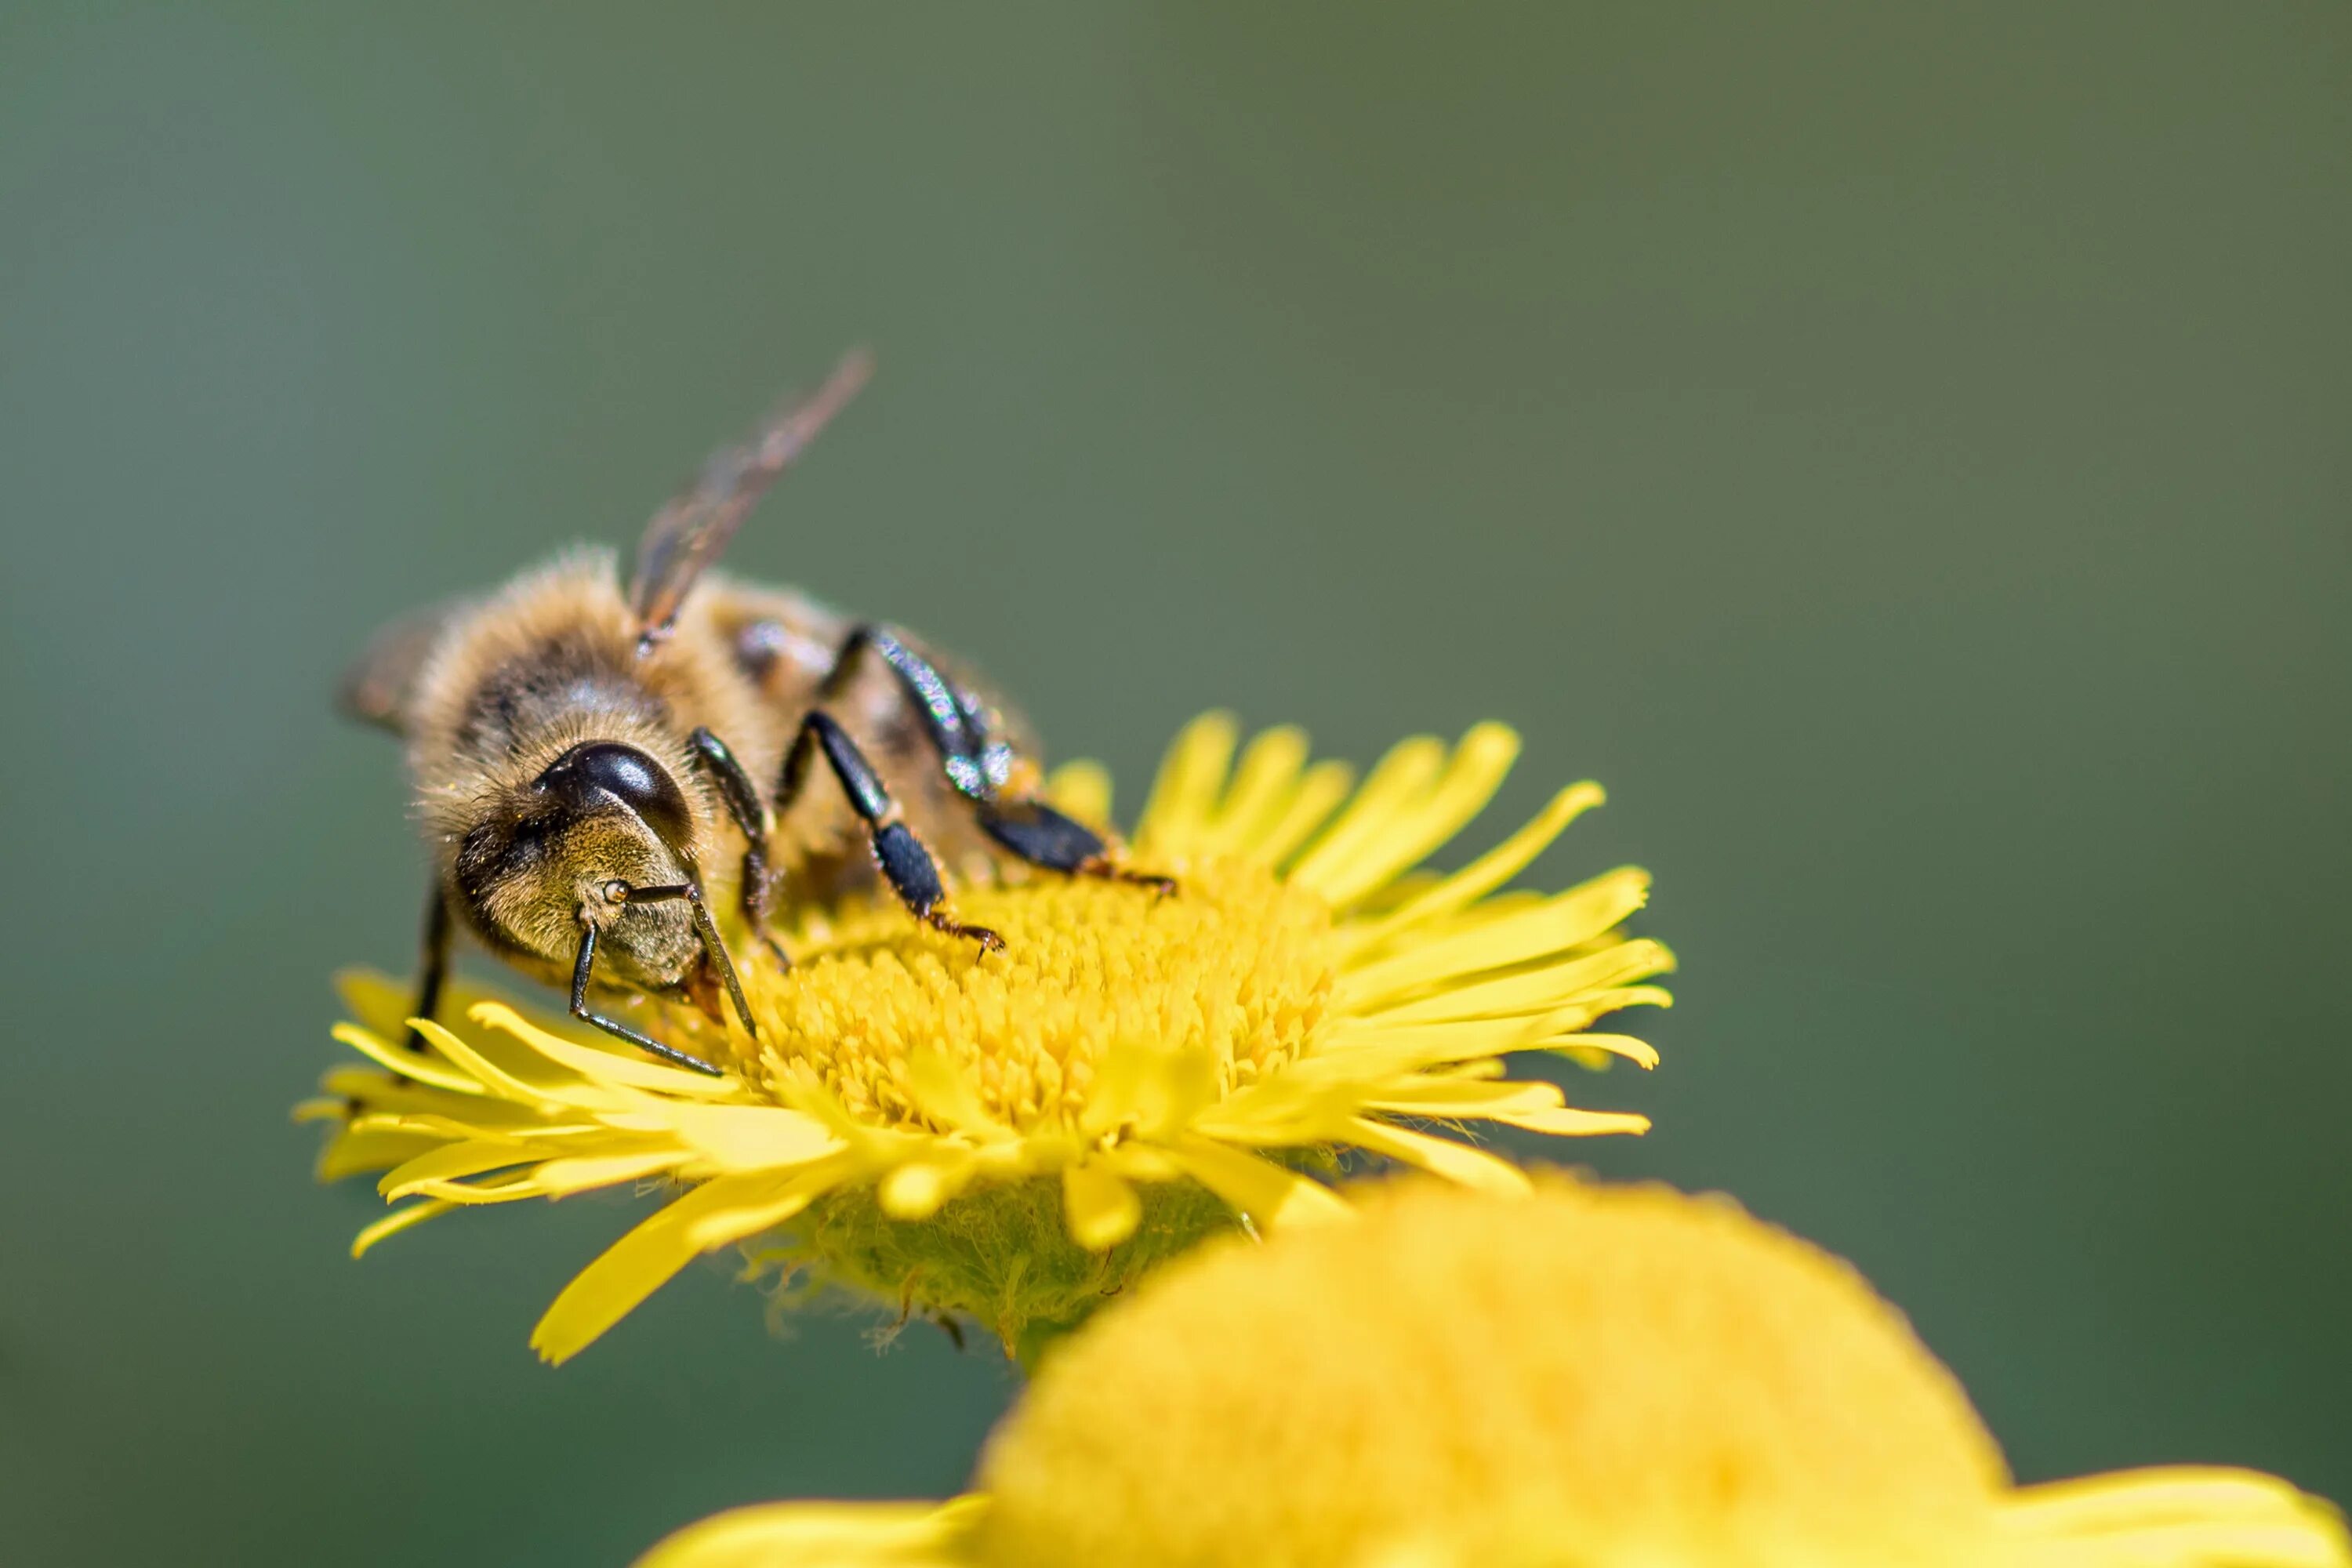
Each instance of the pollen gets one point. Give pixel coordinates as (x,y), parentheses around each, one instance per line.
(1236,970)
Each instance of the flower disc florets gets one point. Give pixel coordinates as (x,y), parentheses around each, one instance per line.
(1144,1068)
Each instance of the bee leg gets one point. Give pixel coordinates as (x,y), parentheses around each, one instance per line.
(755,822)
(913,875)
(976,765)
(435,971)
(582,1010)
(956,730)
(1034,832)
(714,948)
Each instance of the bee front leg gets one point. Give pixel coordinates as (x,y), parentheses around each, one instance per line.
(906,864)
(755,822)
(581,969)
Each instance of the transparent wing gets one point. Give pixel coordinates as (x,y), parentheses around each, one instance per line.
(689,533)
(376,688)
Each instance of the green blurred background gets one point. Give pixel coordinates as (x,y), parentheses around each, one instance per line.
(1900,449)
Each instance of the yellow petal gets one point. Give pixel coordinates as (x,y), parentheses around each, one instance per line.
(1471,775)
(1268,1194)
(739,1138)
(395,1223)
(1490,870)
(824,1535)
(1551,927)
(1190,778)
(355,1149)
(450,1161)
(1440,1157)
(1321,790)
(726,1209)
(946,1093)
(1265,783)
(1100,1206)
(418,1065)
(624,1065)
(918,1189)
(1082,789)
(1396,783)
(2181,1517)
(1553,988)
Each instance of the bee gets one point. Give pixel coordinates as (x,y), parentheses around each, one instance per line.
(587,755)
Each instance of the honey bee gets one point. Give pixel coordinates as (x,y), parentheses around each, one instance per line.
(586,758)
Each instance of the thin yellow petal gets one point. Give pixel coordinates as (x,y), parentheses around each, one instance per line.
(2181,1516)
(418,1065)
(720,1211)
(741,1138)
(1270,1195)
(395,1223)
(946,1093)
(1549,990)
(1189,779)
(1490,870)
(1549,927)
(621,1066)
(1440,1157)
(1100,1206)
(918,1189)
(1082,789)
(1265,783)
(1471,775)
(1395,784)
(1321,790)
(824,1535)
(450,1161)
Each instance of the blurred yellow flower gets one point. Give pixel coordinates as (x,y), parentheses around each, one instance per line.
(1015,1136)
(1586,1377)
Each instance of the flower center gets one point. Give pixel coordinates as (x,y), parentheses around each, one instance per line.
(1234,966)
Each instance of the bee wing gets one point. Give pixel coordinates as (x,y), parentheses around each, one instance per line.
(687,535)
(378,685)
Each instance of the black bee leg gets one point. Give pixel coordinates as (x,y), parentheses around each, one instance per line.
(913,875)
(1034,832)
(435,971)
(714,948)
(580,1010)
(957,731)
(755,822)
(977,766)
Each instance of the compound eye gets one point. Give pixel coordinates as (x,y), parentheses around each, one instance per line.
(626,775)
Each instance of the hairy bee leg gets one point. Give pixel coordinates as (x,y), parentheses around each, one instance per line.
(913,875)
(433,972)
(582,1010)
(754,821)
(1025,826)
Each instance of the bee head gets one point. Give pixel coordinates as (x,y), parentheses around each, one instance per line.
(566,851)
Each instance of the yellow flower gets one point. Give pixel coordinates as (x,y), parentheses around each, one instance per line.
(1587,1377)
(1016,1136)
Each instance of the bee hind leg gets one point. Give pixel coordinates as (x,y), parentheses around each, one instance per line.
(906,864)
(1034,832)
